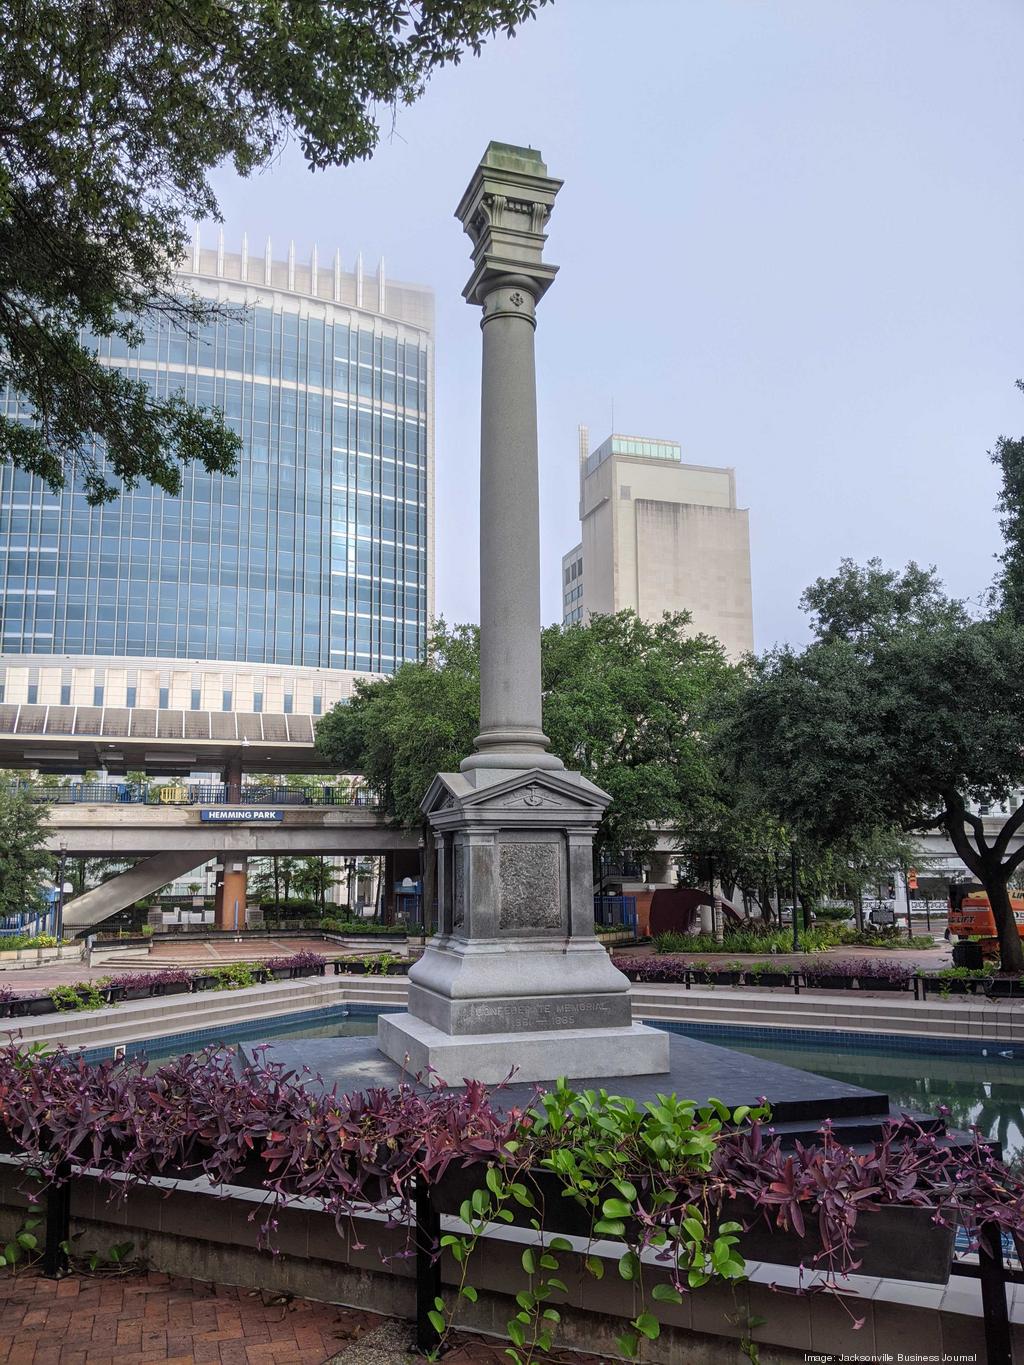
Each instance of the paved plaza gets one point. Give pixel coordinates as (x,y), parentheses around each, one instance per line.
(146,1318)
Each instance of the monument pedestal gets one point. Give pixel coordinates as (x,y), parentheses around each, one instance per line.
(543,1055)
(516,979)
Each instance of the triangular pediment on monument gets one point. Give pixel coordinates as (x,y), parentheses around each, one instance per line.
(534,789)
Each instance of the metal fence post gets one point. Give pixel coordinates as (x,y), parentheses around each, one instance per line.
(58,1224)
(428,1266)
(998,1349)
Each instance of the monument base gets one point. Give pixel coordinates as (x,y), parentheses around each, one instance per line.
(418,1047)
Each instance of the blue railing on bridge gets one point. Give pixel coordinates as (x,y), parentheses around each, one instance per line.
(27,922)
(194,794)
(616,912)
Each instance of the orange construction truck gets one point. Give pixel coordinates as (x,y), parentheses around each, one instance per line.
(970,916)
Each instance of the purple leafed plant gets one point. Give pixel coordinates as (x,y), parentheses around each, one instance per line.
(295,961)
(865,970)
(659,968)
(133,981)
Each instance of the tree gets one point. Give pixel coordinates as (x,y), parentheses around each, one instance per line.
(24,863)
(625,702)
(314,877)
(630,703)
(1009,457)
(112,117)
(909,724)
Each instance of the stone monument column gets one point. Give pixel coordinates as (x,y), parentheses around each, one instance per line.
(515,979)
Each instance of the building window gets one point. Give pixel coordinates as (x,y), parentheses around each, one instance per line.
(65,694)
(97,696)
(257,701)
(1,692)
(225,701)
(318,706)
(165,698)
(196,699)
(130,695)
(33,694)
(288,703)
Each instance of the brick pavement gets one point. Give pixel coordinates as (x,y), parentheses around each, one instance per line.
(145,1318)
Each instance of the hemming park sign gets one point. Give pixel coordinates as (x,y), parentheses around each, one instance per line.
(240,815)
(515,976)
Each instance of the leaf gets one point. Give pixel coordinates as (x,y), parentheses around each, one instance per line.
(27,1241)
(515,1332)
(649,1325)
(629,1265)
(549,1262)
(468,1292)
(529,1261)
(560,1244)
(627,1344)
(596,1267)
(436,1321)
(616,1208)
(665,1293)
(606,1227)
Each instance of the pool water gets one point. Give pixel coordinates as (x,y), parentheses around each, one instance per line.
(982,1088)
(987,1091)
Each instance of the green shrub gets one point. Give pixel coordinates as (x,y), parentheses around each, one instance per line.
(81,996)
(812,940)
(234,975)
(832,914)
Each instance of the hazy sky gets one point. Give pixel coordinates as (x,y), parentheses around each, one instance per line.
(790,237)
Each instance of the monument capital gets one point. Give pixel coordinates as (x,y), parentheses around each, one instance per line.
(504,210)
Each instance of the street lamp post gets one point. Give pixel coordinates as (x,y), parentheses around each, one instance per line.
(794,875)
(59,926)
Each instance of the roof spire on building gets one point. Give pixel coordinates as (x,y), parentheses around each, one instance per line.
(291,265)
(314,266)
(220,250)
(359,280)
(337,274)
(245,255)
(268,264)
(381,287)
(195,249)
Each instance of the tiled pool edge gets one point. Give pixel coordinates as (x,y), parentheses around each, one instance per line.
(826,1038)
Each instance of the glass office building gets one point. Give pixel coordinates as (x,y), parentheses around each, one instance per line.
(316,556)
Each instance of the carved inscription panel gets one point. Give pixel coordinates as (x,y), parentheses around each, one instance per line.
(529,881)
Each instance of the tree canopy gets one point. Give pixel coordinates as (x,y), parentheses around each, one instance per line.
(1008,456)
(626,702)
(902,712)
(112,116)
(24,863)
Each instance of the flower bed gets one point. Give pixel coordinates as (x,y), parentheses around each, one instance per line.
(699,1184)
(870,974)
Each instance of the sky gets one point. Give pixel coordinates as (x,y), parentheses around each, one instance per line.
(789,238)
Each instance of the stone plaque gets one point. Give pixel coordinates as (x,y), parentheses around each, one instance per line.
(529,881)
(553,1012)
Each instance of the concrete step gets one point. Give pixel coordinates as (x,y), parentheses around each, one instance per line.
(833,1017)
(138,1019)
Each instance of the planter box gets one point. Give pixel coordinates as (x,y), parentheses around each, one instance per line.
(348,968)
(900,1242)
(1005,988)
(204,983)
(709,977)
(768,979)
(308,971)
(173,988)
(829,983)
(38,1005)
(872,983)
(279,973)
(951,985)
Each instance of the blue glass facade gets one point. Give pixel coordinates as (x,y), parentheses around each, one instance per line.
(314,555)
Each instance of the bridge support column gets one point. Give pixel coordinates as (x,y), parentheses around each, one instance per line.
(230,909)
(232,779)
